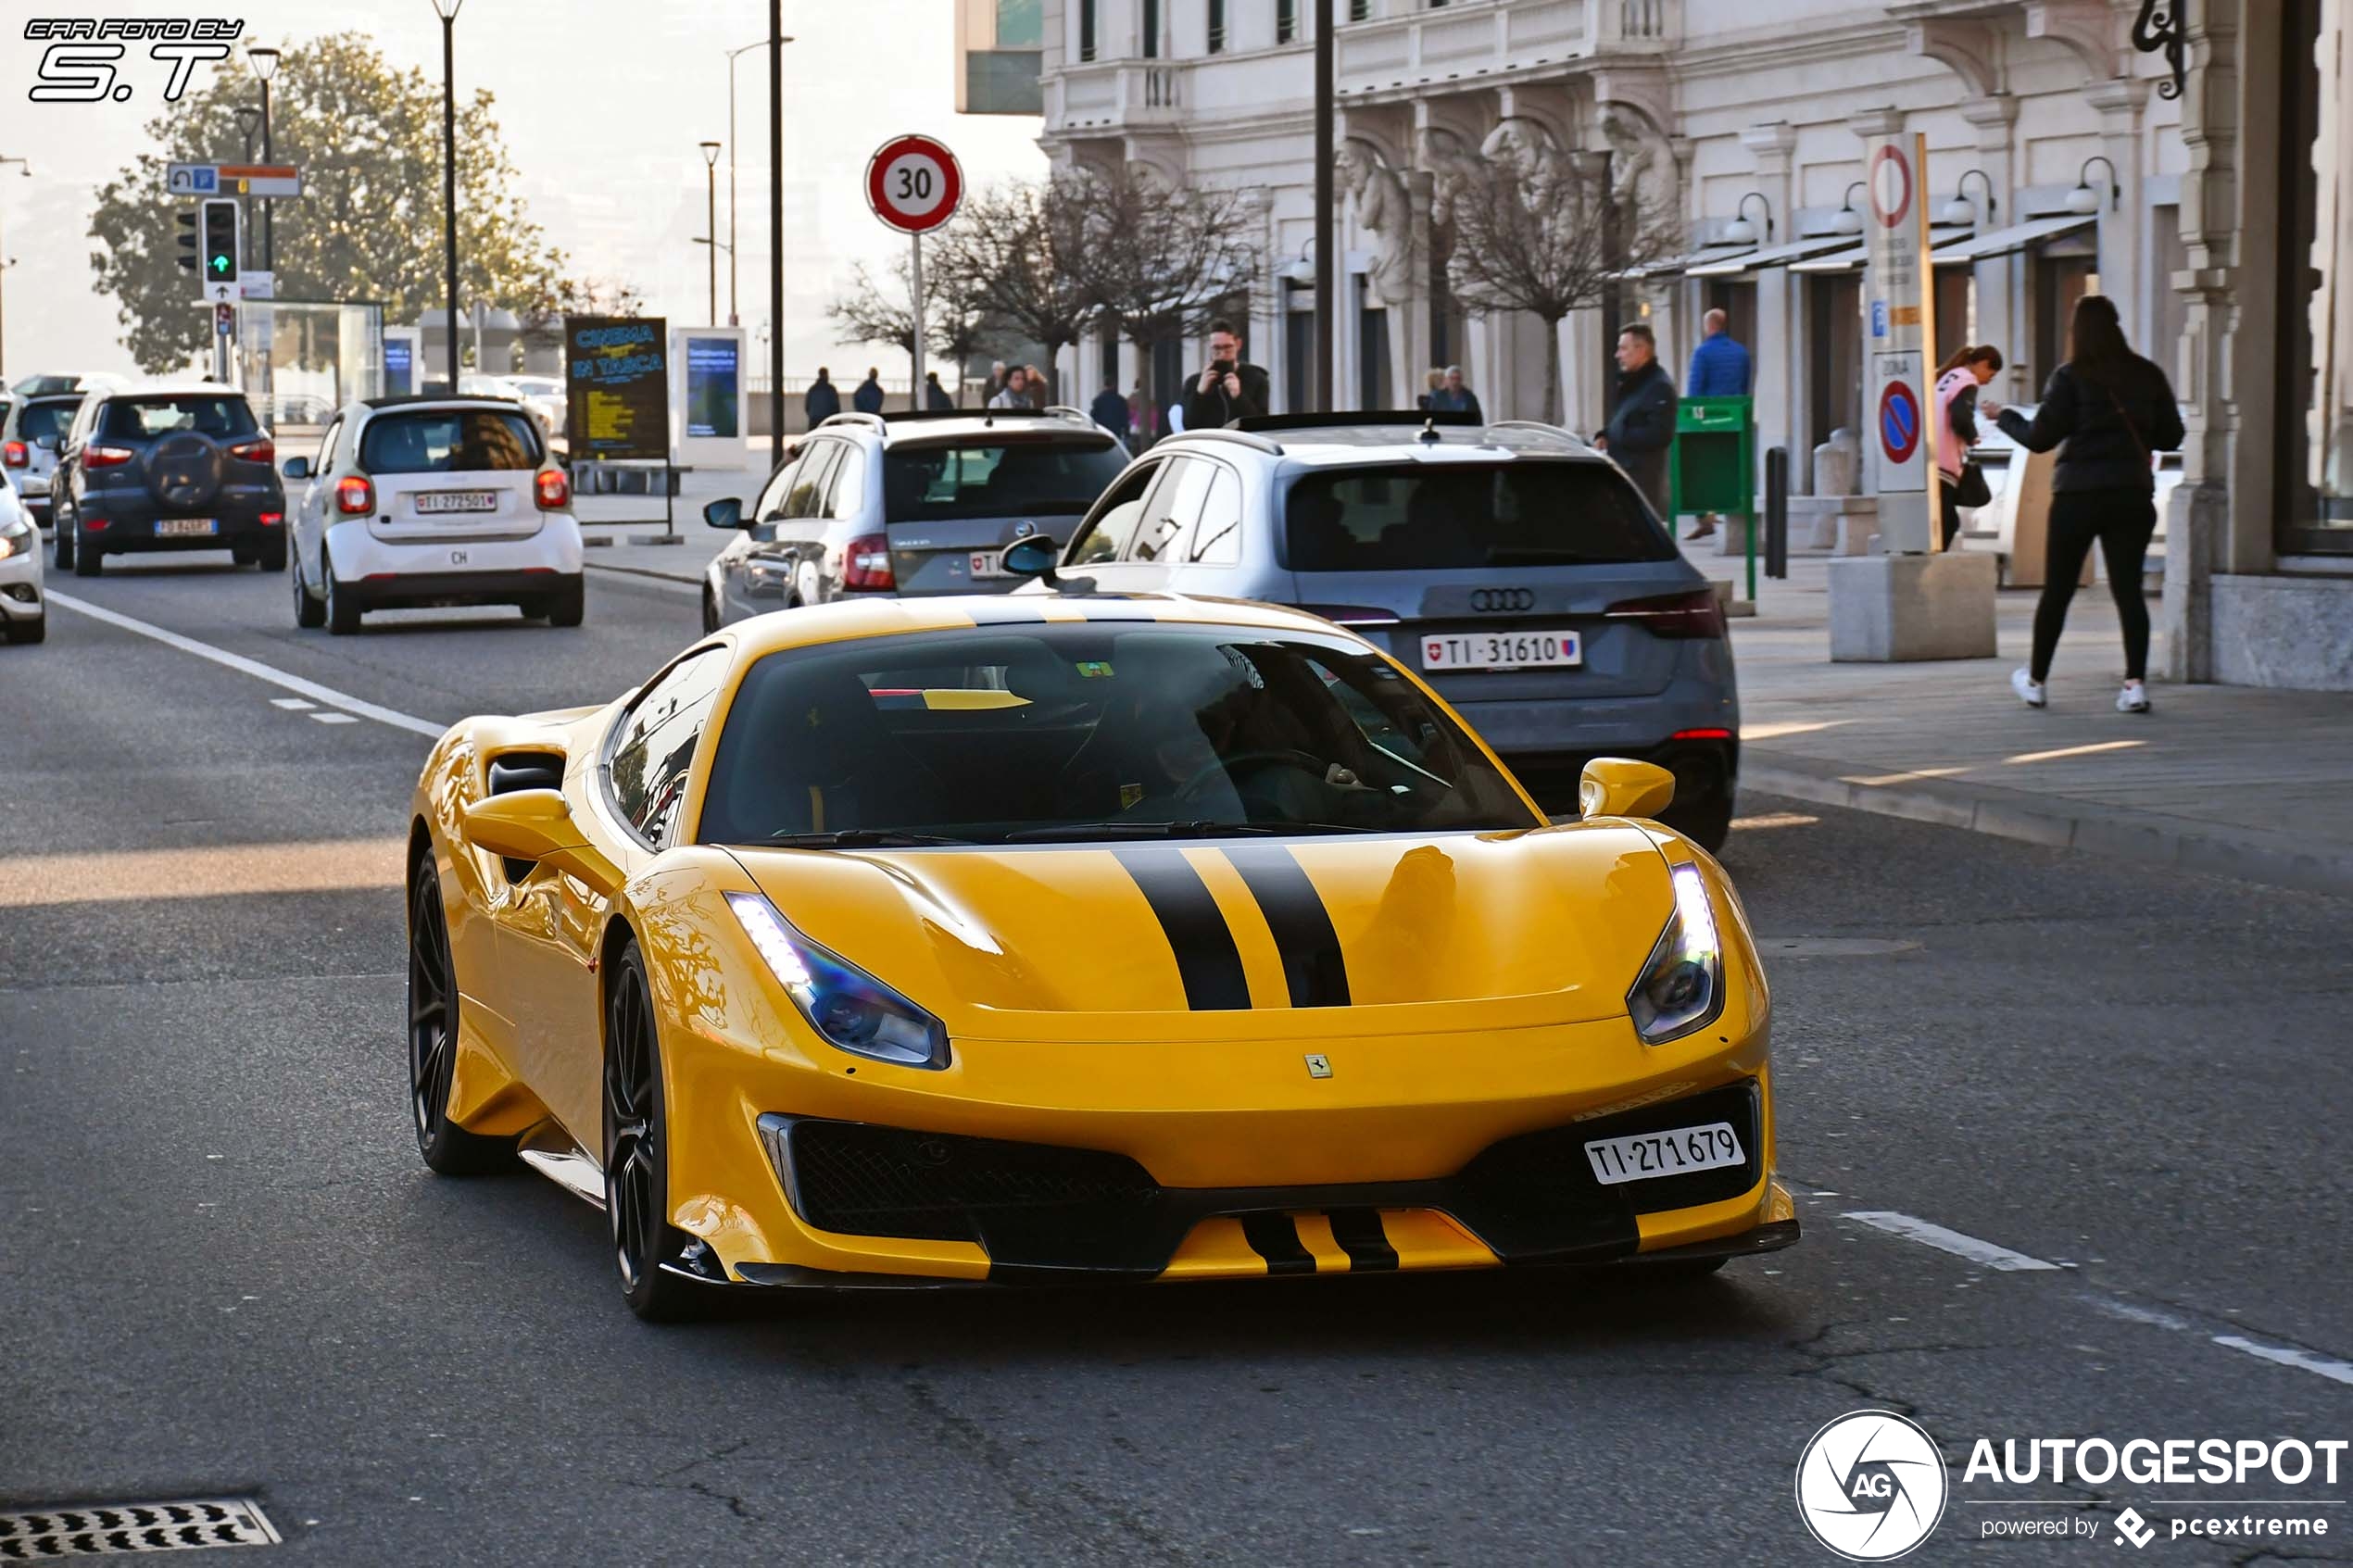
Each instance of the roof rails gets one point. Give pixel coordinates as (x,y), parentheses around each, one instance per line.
(875,421)
(1538,427)
(1249,438)
(1342,419)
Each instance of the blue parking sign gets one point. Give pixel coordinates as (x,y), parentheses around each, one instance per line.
(1879,318)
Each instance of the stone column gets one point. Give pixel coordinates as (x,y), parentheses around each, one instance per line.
(1780,359)
(2123,230)
(2003,319)
(1585,363)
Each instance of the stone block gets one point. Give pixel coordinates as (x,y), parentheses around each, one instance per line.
(1894,608)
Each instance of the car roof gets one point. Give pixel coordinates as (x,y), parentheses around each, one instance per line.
(952,424)
(850,620)
(168,389)
(438,400)
(1345,441)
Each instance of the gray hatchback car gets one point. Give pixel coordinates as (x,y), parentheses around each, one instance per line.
(1511,565)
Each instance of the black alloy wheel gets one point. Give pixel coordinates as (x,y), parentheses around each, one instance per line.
(343,610)
(448,1149)
(636,1155)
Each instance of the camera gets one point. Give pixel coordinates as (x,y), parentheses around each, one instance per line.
(1221,367)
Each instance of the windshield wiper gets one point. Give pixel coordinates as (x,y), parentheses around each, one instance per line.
(857,838)
(1175,830)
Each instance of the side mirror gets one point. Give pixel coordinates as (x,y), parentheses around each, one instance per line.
(298,467)
(1034,557)
(726,512)
(536,825)
(1615,787)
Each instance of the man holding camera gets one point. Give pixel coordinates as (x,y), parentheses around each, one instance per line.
(1227,389)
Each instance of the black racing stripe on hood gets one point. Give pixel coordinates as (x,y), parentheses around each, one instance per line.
(1314,966)
(1207,960)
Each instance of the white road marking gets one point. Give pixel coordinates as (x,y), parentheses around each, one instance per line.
(254,668)
(332,718)
(2303,1361)
(1982,1253)
(293,703)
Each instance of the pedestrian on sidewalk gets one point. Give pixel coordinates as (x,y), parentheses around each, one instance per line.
(2115,412)
(1430,384)
(995,384)
(1039,387)
(1453,398)
(1963,485)
(1719,367)
(1227,388)
(1110,410)
(936,396)
(868,398)
(1015,392)
(823,400)
(1641,431)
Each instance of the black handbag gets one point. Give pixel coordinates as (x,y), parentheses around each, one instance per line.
(1971,489)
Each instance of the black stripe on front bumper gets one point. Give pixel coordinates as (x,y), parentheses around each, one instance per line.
(1276,1239)
(1360,1234)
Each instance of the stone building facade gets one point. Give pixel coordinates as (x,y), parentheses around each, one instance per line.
(2064,156)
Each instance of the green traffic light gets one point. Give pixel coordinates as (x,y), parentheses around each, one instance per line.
(221,264)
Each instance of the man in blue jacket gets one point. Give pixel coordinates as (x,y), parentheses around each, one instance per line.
(1720,368)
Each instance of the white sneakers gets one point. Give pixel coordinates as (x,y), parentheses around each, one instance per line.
(2133,698)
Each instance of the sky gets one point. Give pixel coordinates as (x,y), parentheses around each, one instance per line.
(602,103)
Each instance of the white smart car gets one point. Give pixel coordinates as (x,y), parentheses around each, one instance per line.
(420,501)
(24,613)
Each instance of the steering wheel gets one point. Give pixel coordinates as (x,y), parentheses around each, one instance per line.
(1226,766)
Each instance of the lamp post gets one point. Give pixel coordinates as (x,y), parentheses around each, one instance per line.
(26,169)
(265,65)
(447,11)
(776,231)
(1848,221)
(1740,231)
(2086,199)
(733,318)
(1327,238)
(1960,211)
(711,217)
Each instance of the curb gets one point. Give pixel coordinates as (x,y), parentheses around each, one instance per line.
(693,580)
(2057,822)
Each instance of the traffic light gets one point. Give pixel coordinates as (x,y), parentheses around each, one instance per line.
(219,242)
(187,240)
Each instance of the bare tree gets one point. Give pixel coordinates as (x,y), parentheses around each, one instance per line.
(870,313)
(1160,261)
(1539,234)
(1013,256)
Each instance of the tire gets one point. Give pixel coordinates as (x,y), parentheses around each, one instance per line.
(342,611)
(88,559)
(710,612)
(62,544)
(1706,820)
(309,613)
(272,553)
(241,556)
(447,1149)
(636,1152)
(568,606)
(32,631)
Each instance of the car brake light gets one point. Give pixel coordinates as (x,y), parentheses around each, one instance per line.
(16,455)
(869,563)
(262,450)
(1701,735)
(354,495)
(553,490)
(1674,615)
(105,456)
(1354,615)
(271,520)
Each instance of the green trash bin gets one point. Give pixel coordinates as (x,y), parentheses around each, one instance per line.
(1713,468)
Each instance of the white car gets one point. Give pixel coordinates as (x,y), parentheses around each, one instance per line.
(421,501)
(24,614)
(543,395)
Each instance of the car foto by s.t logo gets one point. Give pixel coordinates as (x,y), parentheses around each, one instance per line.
(1871,1485)
(78,66)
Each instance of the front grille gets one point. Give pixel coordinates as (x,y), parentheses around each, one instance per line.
(861,1180)
(105,1529)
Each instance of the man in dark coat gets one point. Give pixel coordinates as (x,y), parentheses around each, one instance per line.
(823,400)
(1110,410)
(936,396)
(868,398)
(1226,388)
(1642,428)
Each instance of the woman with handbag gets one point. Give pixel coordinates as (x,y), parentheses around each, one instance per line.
(1963,481)
(2114,410)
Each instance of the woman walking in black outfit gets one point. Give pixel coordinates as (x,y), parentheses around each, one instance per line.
(2114,410)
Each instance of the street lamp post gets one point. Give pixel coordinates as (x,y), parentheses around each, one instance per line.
(776,231)
(265,65)
(1326,240)
(447,11)
(734,317)
(26,168)
(710,219)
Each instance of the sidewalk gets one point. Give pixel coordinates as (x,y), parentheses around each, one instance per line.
(2239,781)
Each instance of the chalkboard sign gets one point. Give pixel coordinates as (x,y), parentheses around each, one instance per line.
(618,372)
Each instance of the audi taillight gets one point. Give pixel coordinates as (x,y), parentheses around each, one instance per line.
(1673,615)
(259,450)
(105,456)
(354,495)
(17,456)
(868,563)
(553,489)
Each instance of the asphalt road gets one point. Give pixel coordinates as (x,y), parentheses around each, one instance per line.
(225,1271)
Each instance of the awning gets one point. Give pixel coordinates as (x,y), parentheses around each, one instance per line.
(1705,255)
(1858,253)
(2018,236)
(1771,256)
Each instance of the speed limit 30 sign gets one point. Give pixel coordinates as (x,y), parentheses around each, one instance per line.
(914,183)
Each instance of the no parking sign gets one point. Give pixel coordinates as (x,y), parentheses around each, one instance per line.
(1903,326)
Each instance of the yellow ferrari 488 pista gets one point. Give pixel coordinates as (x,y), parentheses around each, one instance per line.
(1036,939)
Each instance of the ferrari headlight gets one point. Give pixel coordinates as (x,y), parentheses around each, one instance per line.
(852,1009)
(1681,987)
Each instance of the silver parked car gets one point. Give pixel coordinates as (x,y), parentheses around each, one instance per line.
(868,504)
(30,438)
(1514,567)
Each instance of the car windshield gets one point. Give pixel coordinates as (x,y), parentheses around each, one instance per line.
(448,440)
(1028,475)
(1438,516)
(134,419)
(45,424)
(1091,731)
